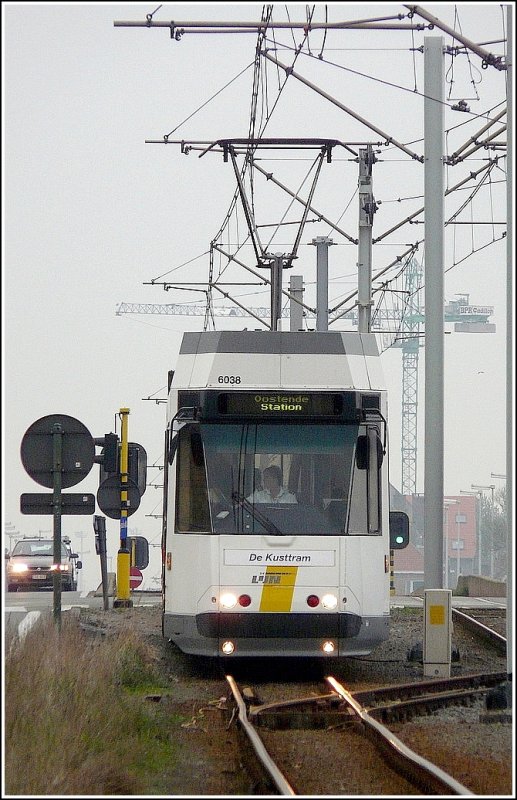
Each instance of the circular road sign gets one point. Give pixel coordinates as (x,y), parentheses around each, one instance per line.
(135,577)
(108,497)
(77,450)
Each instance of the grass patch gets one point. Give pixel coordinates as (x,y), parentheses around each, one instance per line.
(75,720)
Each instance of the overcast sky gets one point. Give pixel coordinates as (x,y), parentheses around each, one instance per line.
(92,214)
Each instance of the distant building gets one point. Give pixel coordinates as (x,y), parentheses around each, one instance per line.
(460,534)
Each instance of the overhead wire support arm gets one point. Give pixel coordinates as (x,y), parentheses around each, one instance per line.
(198,26)
(419,211)
(396,261)
(325,151)
(247,310)
(231,257)
(478,144)
(488,59)
(388,139)
(255,238)
(264,280)
(270,177)
(473,139)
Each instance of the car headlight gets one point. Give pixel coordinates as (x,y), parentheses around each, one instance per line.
(17,567)
(60,567)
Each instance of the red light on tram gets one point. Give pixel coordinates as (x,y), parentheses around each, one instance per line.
(313,600)
(244,600)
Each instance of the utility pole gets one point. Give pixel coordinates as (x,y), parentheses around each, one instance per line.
(123,599)
(367,209)
(509,354)
(477,495)
(458,561)
(322,244)
(446,505)
(434,329)
(277,265)
(295,308)
(492,488)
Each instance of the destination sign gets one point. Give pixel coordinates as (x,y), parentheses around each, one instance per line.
(281,404)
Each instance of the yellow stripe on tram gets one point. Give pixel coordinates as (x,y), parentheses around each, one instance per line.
(278,589)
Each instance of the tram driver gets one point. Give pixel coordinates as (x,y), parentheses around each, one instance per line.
(273,491)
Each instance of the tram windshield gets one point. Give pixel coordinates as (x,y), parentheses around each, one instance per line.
(279,479)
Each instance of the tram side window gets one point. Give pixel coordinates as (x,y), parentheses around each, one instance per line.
(192,512)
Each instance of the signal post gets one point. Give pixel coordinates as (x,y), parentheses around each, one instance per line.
(123,599)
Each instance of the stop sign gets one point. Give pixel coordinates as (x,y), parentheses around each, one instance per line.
(135,577)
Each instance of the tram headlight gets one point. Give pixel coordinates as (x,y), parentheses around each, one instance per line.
(228,600)
(227,648)
(329,601)
(328,647)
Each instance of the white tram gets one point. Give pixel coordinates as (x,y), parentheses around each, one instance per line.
(254,570)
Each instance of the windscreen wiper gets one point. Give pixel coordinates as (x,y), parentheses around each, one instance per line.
(256,514)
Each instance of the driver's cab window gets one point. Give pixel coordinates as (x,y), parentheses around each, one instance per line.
(192,512)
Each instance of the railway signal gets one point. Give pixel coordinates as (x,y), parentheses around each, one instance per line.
(109,457)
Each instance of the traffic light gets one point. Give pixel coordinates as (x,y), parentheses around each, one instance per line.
(109,460)
(99,527)
(109,457)
(137,465)
(138,547)
(399,530)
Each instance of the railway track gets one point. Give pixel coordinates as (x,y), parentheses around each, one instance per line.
(486,624)
(388,765)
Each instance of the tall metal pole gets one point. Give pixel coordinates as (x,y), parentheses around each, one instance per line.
(295,309)
(446,548)
(57,447)
(123,599)
(478,521)
(434,325)
(364,262)
(491,522)
(477,495)
(322,244)
(457,547)
(276,290)
(509,346)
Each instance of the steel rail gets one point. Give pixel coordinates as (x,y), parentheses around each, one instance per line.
(496,640)
(279,780)
(429,777)
(386,699)
(407,690)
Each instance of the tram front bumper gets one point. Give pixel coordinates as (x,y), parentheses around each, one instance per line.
(276,634)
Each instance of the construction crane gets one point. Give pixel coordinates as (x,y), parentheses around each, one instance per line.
(408,321)
(197,310)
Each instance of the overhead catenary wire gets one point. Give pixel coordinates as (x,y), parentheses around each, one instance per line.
(267,107)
